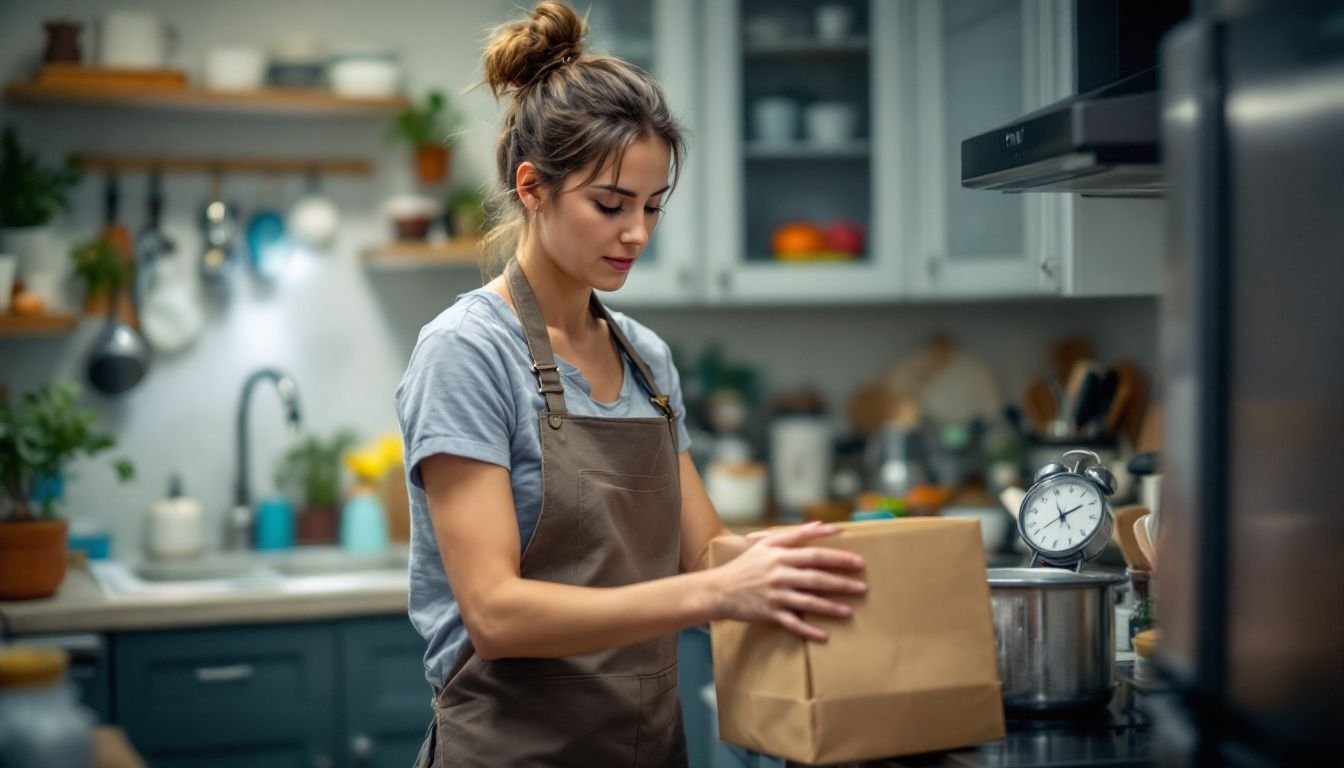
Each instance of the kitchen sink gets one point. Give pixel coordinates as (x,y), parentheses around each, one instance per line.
(221,566)
(298,570)
(312,561)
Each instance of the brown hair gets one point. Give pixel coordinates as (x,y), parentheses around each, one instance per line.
(569,110)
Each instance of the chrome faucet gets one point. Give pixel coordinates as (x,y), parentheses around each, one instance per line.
(238,525)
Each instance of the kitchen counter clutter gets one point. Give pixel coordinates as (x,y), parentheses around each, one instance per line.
(84,605)
(1118,735)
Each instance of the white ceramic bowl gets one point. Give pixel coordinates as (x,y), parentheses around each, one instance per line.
(235,69)
(364,76)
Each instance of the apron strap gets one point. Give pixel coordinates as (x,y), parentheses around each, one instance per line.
(645,375)
(543,359)
(538,340)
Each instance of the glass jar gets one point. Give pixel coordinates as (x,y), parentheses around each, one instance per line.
(42,724)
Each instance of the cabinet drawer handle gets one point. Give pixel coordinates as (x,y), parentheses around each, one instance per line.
(225,674)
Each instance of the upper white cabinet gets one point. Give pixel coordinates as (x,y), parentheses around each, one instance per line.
(853,111)
(799,128)
(981,64)
(657,35)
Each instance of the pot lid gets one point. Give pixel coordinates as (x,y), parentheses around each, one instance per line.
(1050,578)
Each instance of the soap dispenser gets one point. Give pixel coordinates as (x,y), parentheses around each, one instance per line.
(175,526)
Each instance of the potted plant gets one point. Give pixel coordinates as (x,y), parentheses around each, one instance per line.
(310,472)
(430,127)
(103,267)
(365,526)
(38,437)
(464,213)
(30,196)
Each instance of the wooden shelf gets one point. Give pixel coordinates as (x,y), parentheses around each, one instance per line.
(14,326)
(231,165)
(274,102)
(434,254)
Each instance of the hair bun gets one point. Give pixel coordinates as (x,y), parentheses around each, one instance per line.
(521,52)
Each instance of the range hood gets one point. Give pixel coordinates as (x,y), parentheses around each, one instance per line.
(1102,143)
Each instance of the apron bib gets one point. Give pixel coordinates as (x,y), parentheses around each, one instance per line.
(610,516)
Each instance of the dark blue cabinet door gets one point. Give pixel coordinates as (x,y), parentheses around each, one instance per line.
(387,701)
(253,695)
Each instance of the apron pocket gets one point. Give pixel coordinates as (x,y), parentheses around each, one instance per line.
(662,741)
(582,721)
(629,528)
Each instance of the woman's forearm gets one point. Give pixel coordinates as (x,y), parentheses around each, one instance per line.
(542,619)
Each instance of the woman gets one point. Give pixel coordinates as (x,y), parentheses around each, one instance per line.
(560,530)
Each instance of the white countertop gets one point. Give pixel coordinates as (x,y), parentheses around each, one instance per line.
(81,605)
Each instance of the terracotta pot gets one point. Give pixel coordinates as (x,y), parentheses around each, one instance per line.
(432,163)
(32,558)
(316,525)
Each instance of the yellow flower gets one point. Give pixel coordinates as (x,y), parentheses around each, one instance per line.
(371,461)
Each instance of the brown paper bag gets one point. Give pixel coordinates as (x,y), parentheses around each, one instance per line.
(914,669)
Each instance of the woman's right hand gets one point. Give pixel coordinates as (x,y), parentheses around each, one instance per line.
(779,579)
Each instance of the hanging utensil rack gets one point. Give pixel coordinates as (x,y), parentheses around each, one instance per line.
(224,165)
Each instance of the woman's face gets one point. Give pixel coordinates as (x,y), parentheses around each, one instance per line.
(595,233)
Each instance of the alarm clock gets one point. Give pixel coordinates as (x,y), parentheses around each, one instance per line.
(1065,518)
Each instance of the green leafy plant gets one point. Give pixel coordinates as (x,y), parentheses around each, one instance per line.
(311,470)
(101,265)
(39,436)
(466,205)
(30,194)
(431,121)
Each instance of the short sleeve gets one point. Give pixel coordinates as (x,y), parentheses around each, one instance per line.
(455,398)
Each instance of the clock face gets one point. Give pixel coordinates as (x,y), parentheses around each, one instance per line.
(1061,514)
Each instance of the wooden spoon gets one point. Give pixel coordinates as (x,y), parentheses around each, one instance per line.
(1038,403)
(1125,537)
(1140,529)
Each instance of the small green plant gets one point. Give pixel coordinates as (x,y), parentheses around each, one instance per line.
(30,194)
(466,206)
(39,436)
(101,264)
(311,470)
(431,121)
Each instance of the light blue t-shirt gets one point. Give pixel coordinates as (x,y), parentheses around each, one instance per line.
(469,391)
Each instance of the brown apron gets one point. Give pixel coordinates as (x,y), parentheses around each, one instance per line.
(610,515)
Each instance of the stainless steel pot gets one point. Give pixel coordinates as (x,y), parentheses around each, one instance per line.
(1056,636)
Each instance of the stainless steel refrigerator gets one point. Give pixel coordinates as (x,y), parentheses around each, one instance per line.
(1251,552)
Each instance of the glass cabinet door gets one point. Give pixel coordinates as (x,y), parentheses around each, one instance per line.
(796,206)
(982,64)
(657,35)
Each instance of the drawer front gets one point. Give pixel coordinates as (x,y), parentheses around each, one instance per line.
(183,689)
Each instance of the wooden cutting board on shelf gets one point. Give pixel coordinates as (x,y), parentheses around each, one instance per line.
(77,76)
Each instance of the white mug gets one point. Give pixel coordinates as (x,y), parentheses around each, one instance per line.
(830,123)
(133,40)
(833,21)
(776,120)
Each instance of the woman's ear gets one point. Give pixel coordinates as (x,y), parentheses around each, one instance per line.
(528,183)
